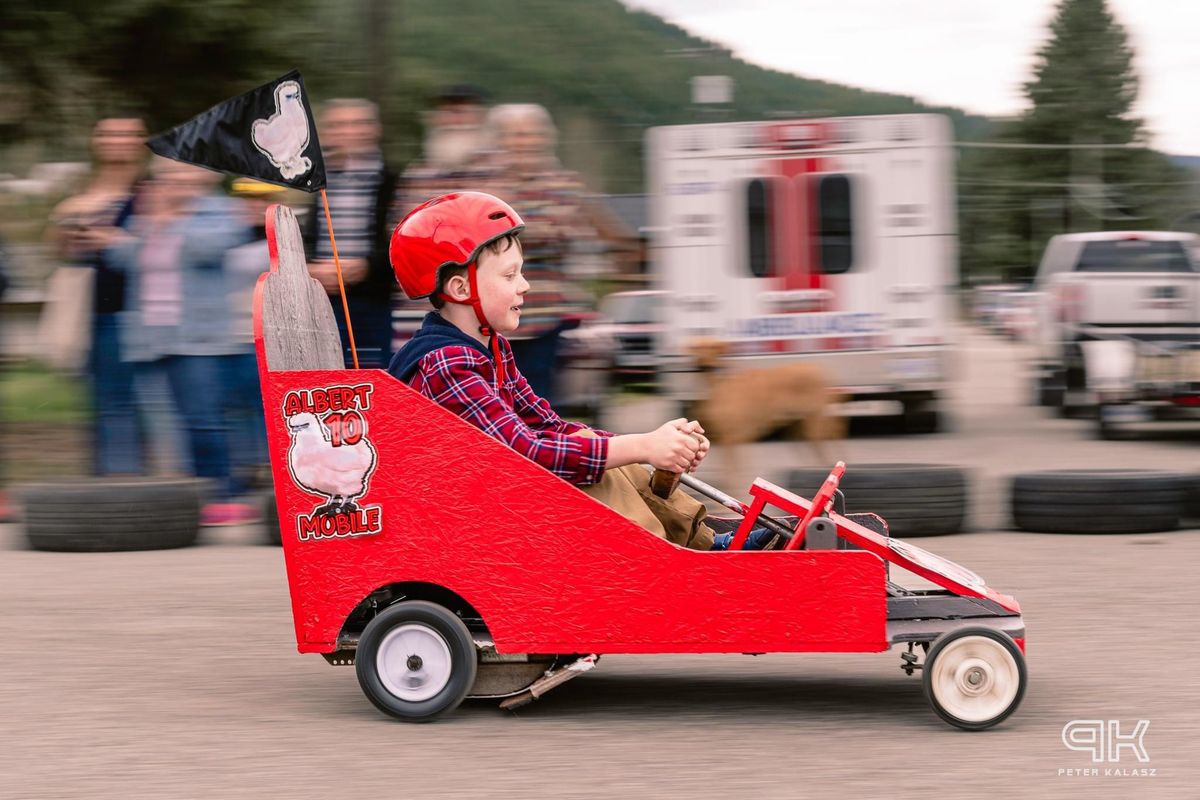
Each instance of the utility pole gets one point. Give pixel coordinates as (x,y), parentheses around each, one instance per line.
(378,39)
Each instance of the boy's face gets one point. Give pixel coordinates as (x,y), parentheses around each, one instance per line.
(502,287)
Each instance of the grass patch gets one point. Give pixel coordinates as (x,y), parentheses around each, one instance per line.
(31,394)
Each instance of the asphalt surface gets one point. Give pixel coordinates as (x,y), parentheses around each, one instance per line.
(173,674)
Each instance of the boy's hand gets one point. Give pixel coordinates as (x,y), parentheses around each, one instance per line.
(696,430)
(671,446)
(99,238)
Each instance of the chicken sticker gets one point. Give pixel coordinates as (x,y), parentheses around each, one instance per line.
(283,137)
(331,457)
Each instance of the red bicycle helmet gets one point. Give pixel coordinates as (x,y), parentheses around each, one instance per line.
(450,229)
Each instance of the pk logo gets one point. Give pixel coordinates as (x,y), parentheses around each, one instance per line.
(1104,740)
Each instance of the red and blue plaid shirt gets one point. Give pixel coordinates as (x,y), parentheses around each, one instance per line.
(463,379)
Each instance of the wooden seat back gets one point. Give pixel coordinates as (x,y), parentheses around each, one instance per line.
(291,309)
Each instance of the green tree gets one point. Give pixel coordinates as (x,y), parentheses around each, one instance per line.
(67,62)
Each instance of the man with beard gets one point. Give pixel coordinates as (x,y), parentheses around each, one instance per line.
(454,158)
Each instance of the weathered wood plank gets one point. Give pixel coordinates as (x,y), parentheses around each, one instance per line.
(299,331)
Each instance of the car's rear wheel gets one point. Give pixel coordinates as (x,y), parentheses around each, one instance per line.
(416,661)
(974,677)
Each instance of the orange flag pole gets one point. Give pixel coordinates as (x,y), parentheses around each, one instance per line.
(337,265)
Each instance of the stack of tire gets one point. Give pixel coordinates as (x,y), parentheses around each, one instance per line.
(107,514)
(915,499)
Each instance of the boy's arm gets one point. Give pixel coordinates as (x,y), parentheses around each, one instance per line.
(452,377)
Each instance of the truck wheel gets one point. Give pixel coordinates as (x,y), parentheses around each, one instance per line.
(416,661)
(1098,501)
(974,677)
(1106,429)
(922,416)
(915,499)
(112,514)
(1049,392)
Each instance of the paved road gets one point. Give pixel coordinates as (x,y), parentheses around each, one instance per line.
(173,674)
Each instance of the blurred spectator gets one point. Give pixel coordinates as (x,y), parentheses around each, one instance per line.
(454,158)
(79,229)
(6,511)
(455,137)
(3,270)
(176,321)
(360,190)
(244,405)
(526,173)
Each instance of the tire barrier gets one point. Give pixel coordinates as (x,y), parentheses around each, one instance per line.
(111,514)
(1099,500)
(915,499)
(99,515)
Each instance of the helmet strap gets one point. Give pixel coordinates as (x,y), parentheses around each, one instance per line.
(485,328)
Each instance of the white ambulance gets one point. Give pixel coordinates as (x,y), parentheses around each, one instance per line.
(831,240)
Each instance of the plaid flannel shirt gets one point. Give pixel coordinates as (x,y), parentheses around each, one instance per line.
(463,380)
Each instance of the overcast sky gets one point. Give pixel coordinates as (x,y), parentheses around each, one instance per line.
(973,54)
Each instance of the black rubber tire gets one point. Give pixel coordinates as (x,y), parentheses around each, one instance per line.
(463,660)
(1098,501)
(113,514)
(915,499)
(1191,498)
(934,652)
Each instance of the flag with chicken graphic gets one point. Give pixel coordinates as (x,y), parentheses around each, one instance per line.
(267,133)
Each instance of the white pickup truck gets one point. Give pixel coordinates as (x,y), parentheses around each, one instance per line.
(1119,326)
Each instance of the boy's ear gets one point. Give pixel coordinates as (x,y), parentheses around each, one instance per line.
(458,287)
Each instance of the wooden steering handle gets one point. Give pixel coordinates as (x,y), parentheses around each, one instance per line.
(663,482)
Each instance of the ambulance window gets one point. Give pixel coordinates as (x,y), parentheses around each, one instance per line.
(834,229)
(758,227)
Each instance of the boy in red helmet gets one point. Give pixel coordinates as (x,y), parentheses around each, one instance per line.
(463,252)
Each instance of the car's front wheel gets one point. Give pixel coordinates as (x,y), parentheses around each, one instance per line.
(974,677)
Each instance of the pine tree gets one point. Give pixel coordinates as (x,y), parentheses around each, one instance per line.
(1084,82)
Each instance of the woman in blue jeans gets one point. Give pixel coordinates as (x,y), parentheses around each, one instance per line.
(80,228)
(176,320)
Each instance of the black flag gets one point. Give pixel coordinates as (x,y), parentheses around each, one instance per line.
(267,133)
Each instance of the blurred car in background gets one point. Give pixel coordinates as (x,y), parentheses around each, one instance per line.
(1119,327)
(617,345)
(1015,315)
(989,303)
(584,367)
(634,323)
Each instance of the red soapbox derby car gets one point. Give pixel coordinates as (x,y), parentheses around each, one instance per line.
(443,565)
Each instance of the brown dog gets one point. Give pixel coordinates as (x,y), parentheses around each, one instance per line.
(742,406)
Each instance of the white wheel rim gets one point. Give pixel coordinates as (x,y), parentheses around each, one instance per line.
(414,662)
(975,678)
